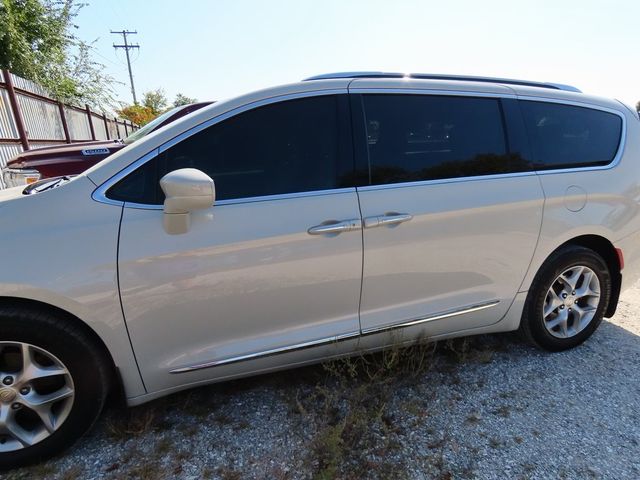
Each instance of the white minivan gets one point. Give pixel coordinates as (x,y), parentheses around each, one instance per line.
(295,224)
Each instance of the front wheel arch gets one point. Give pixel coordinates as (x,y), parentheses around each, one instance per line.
(36,306)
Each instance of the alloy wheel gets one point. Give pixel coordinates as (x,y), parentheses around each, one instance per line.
(571,302)
(36,395)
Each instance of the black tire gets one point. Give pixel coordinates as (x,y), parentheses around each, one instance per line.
(87,363)
(532,326)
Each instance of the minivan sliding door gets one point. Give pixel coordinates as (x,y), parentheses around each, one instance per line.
(451,213)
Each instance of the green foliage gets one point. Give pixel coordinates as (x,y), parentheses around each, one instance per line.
(37,42)
(155,100)
(183,100)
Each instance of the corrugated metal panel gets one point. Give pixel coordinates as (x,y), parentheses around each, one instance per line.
(1,76)
(41,119)
(113,131)
(98,127)
(8,127)
(28,85)
(78,124)
(7,152)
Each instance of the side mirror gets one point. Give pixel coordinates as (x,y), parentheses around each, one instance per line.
(185,190)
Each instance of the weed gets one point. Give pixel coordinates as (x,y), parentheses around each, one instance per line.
(131,423)
(473,418)
(207,473)
(503,411)
(163,446)
(355,432)
(149,470)
(229,474)
(41,470)
(495,443)
(328,447)
(73,473)
(188,430)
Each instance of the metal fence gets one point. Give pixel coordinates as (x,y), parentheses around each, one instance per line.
(30,118)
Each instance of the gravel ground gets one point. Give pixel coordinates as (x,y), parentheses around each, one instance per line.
(489,407)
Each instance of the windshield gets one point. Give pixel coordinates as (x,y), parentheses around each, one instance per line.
(151,126)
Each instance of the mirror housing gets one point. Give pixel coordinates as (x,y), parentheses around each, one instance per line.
(186,190)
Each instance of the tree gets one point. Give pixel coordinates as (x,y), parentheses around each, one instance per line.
(37,42)
(155,100)
(638,106)
(138,114)
(183,100)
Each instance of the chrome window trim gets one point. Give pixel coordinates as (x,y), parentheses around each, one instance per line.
(441,181)
(245,200)
(337,338)
(99,194)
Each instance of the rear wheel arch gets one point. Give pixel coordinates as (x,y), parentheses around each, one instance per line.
(603,247)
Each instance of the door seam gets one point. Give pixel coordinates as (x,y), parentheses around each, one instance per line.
(124,318)
(362,263)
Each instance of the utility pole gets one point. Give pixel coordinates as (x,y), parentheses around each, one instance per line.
(127,46)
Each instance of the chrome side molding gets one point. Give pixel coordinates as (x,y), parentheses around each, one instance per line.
(266,353)
(334,339)
(440,316)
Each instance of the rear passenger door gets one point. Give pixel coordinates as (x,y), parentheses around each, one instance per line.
(450,207)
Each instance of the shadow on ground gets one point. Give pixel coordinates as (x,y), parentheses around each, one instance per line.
(485,407)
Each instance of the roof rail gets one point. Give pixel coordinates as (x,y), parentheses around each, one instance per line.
(435,76)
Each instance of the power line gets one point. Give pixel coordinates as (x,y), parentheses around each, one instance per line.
(127,46)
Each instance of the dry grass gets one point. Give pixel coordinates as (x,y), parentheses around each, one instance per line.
(350,409)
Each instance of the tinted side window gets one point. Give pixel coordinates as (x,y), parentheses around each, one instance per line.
(567,136)
(424,137)
(287,147)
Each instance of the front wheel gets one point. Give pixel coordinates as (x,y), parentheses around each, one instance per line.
(54,379)
(567,299)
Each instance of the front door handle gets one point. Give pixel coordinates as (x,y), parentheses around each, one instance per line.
(334,227)
(388,219)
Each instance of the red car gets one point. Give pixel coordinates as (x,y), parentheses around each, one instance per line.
(75,158)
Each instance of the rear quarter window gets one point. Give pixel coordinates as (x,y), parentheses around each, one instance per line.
(566,136)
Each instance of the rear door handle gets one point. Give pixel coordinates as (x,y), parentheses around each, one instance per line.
(388,219)
(334,227)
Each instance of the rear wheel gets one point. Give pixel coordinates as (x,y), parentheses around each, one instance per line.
(54,379)
(567,299)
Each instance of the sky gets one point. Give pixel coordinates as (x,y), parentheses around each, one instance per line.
(218,49)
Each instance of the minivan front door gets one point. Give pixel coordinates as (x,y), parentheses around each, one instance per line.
(274,266)
(451,219)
